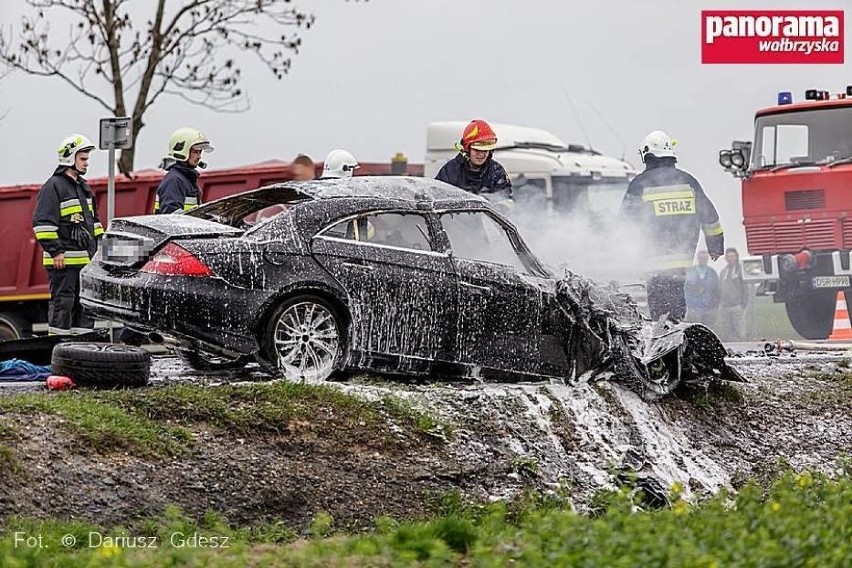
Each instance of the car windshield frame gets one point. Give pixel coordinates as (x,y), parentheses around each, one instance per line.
(532,265)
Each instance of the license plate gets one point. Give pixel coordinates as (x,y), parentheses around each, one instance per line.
(831,282)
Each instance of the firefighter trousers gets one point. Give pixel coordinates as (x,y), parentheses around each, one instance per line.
(65,314)
(666,296)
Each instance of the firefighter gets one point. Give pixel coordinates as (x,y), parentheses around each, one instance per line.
(179,191)
(670,207)
(67,227)
(474,169)
(339,164)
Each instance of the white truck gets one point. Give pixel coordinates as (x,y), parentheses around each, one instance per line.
(548,174)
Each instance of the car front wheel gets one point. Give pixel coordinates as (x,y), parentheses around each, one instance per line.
(304,339)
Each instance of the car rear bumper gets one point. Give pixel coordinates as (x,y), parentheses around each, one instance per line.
(206,309)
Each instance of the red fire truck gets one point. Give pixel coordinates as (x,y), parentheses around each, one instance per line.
(797,204)
(23,281)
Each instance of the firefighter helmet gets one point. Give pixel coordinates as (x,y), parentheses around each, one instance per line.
(67,151)
(658,144)
(339,164)
(479,135)
(185,138)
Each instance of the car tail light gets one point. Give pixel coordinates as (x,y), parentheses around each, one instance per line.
(174,260)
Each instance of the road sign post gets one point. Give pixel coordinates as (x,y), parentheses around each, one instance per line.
(116,134)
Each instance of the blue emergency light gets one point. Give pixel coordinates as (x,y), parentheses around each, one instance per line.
(785,98)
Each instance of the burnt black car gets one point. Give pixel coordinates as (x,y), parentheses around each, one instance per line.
(391,274)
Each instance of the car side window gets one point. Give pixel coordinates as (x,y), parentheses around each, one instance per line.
(341,230)
(403,230)
(474,235)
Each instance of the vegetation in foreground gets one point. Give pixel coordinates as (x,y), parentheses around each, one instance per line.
(158,422)
(802,519)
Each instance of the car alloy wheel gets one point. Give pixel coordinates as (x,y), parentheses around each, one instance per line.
(306,340)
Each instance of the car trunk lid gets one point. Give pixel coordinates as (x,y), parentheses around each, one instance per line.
(131,241)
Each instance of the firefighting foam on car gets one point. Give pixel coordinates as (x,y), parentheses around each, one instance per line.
(414,276)
(396,275)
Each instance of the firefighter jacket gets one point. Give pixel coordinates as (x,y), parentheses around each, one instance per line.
(490,178)
(178,191)
(671,208)
(66,220)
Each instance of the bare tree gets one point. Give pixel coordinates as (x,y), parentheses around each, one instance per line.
(186,50)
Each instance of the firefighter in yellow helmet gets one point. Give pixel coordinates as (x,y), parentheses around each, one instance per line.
(179,191)
(67,227)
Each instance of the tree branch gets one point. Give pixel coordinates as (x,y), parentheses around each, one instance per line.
(187,51)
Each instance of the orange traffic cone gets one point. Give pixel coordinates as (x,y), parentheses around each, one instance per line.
(842,327)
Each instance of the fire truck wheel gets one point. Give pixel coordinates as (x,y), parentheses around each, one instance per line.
(812,315)
(102,365)
(13,326)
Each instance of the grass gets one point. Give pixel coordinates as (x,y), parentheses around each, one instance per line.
(767,320)
(97,421)
(840,391)
(802,519)
(422,422)
(158,422)
(716,393)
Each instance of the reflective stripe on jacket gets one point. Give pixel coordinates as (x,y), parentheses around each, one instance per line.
(178,191)
(66,211)
(671,208)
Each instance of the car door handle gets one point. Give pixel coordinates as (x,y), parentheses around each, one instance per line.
(358,264)
(476,290)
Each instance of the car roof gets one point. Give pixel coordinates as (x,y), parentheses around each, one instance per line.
(403,188)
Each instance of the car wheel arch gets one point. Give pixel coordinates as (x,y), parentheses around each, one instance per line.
(323,291)
(341,313)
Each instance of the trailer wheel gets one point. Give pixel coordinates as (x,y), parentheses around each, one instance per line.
(812,314)
(13,326)
(104,365)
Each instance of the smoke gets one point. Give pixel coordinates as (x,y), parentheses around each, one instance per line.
(597,245)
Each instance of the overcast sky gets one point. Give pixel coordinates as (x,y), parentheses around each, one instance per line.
(370,76)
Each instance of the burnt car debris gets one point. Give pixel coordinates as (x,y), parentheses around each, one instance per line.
(395,275)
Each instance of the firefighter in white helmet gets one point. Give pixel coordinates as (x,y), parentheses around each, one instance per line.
(339,164)
(670,207)
(179,191)
(66,225)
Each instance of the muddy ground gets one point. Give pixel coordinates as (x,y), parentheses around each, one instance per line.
(489,442)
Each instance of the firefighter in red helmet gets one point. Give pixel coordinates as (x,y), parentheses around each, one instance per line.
(474,168)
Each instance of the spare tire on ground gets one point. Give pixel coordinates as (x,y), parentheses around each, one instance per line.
(103,365)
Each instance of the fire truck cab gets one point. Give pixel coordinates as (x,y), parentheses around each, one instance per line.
(797,204)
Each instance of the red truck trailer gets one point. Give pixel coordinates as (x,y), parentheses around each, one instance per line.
(797,204)
(23,280)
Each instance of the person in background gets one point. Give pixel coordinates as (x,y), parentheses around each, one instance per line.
(178,191)
(303,168)
(67,227)
(339,164)
(702,292)
(670,207)
(474,168)
(733,294)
